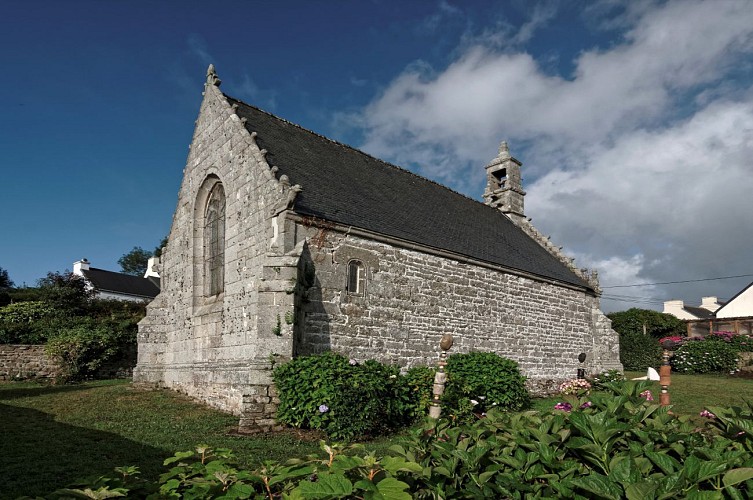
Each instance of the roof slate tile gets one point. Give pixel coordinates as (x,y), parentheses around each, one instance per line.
(347,186)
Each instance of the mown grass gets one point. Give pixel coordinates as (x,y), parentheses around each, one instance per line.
(689,394)
(54,435)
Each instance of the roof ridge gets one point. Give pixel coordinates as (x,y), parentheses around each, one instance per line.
(353,148)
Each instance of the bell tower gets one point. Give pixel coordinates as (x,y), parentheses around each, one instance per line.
(504,185)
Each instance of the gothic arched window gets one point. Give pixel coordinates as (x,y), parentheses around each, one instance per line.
(214,241)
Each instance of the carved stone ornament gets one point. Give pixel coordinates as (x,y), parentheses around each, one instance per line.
(287,203)
(212,78)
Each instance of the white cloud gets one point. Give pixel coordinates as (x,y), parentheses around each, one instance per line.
(485,93)
(617,174)
(681,195)
(432,23)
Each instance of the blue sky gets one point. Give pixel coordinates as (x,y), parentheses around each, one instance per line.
(634,120)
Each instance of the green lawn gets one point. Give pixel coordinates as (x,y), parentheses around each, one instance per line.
(689,394)
(54,435)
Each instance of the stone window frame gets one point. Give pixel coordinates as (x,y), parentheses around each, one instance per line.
(214,241)
(208,295)
(356,278)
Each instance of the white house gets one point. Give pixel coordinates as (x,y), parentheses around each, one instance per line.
(739,306)
(119,286)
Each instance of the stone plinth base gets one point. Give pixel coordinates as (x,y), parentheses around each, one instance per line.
(243,389)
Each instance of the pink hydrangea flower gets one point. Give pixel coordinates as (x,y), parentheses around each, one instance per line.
(707,414)
(564,406)
(574,386)
(647,395)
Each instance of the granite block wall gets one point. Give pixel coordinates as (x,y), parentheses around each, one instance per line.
(412,298)
(18,362)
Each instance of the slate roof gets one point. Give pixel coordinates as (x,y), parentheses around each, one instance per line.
(699,312)
(344,185)
(109,281)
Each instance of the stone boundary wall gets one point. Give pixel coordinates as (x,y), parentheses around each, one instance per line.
(745,362)
(23,362)
(18,362)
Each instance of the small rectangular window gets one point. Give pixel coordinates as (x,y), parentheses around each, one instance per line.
(356,277)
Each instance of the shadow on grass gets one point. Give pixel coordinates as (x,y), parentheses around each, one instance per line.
(40,455)
(32,391)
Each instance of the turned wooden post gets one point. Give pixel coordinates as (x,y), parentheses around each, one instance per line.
(665,372)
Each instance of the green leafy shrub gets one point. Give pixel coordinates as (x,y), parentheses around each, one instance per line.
(619,446)
(25,312)
(599,381)
(343,398)
(24,294)
(418,384)
(705,356)
(22,322)
(656,324)
(638,351)
(739,342)
(479,381)
(83,346)
(66,292)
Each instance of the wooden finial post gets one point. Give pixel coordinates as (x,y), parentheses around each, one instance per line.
(665,372)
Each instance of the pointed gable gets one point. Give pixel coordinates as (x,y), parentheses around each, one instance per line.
(739,306)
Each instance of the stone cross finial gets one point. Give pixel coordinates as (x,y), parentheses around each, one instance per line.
(212,78)
(503,149)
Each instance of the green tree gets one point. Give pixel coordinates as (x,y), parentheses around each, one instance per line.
(5,281)
(638,351)
(66,292)
(656,324)
(135,261)
(162,244)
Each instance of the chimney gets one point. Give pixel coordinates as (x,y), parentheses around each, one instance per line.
(80,266)
(674,307)
(504,184)
(710,303)
(152,267)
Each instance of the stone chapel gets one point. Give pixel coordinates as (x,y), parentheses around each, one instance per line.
(285,243)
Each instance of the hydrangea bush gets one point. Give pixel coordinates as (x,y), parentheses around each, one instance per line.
(741,343)
(575,386)
(347,399)
(705,356)
(342,397)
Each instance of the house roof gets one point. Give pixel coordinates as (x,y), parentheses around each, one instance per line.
(699,312)
(109,281)
(344,185)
